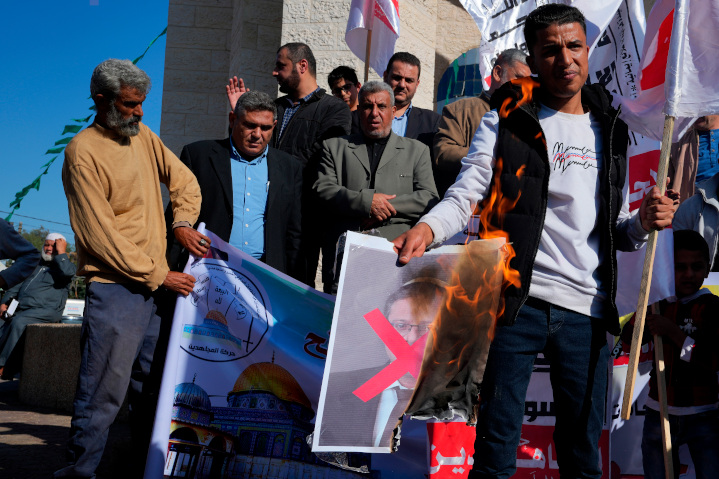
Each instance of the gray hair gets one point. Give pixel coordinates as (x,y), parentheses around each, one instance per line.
(511,56)
(255,101)
(376,86)
(110,75)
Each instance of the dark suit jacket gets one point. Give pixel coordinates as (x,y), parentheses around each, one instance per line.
(346,419)
(210,161)
(421,125)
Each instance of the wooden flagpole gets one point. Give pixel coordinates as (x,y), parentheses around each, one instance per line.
(367,52)
(646,277)
(368,49)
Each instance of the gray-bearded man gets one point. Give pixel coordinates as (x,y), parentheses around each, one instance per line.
(112,175)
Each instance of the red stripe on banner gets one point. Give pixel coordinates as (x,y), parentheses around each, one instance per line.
(408,358)
(654,73)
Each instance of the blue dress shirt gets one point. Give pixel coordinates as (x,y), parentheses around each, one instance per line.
(708,164)
(399,124)
(250,185)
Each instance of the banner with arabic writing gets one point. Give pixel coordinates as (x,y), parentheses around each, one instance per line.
(242,380)
(242,375)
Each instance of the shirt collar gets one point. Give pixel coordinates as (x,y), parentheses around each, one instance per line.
(303,99)
(406,112)
(235,155)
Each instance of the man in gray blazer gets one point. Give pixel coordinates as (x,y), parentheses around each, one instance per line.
(375,180)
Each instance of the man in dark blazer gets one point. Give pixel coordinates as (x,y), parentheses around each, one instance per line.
(409,121)
(251,193)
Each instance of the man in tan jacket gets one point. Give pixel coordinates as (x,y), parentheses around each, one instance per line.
(112,175)
(461,118)
(695,157)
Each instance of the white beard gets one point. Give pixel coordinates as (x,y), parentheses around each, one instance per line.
(47,257)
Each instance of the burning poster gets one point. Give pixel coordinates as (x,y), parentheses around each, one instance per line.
(385,321)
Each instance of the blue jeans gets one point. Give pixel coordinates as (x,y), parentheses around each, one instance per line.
(119,333)
(576,347)
(698,431)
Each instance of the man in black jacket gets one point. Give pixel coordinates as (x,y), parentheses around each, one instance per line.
(560,153)
(306,116)
(410,121)
(251,193)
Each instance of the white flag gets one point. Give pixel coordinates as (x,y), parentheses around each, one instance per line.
(679,68)
(380,16)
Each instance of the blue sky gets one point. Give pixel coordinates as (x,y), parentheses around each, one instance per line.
(49,51)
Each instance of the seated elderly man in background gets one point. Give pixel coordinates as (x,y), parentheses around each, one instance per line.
(40,299)
(372,180)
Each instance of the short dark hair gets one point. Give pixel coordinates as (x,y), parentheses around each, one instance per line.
(343,72)
(255,101)
(301,51)
(690,240)
(511,56)
(405,57)
(550,14)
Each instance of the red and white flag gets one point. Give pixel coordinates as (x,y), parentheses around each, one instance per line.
(380,16)
(679,68)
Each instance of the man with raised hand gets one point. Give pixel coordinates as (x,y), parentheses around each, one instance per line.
(306,116)
(112,175)
(561,154)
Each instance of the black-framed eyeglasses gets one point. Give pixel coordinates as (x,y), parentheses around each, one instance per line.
(406,328)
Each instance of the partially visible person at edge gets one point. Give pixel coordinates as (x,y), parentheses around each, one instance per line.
(344,85)
(698,154)
(15,247)
(701,214)
(306,116)
(112,174)
(570,217)
(461,118)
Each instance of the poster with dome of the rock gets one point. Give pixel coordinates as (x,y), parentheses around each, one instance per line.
(243,375)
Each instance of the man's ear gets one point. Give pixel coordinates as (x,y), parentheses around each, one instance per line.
(497,73)
(304,66)
(232,119)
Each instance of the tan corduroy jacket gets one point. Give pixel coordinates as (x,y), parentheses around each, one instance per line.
(683,163)
(112,185)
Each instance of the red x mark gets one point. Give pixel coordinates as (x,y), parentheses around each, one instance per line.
(409,357)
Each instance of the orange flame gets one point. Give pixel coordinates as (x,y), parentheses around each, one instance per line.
(527,85)
(472,294)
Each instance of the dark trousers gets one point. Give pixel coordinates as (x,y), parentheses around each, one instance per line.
(576,347)
(119,333)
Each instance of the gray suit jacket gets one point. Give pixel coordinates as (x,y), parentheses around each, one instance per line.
(405,170)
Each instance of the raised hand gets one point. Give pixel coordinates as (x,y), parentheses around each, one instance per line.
(235,89)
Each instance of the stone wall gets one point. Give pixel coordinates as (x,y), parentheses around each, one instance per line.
(210,40)
(197,62)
